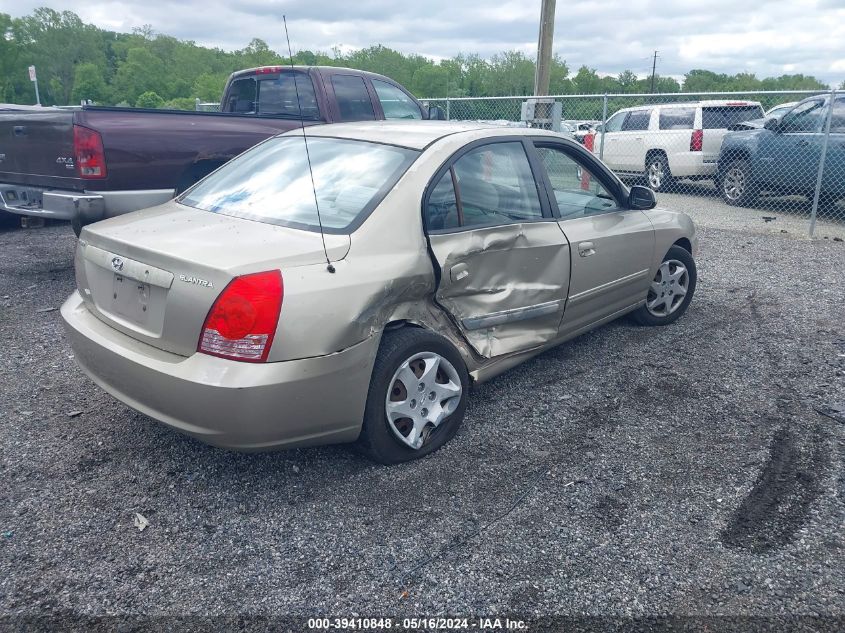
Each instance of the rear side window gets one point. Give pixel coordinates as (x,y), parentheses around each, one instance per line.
(495,186)
(677,118)
(394,103)
(637,120)
(353,100)
(242,96)
(722,117)
(278,96)
(271,182)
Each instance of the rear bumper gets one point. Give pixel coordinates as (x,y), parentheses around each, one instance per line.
(90,206)
(236,405)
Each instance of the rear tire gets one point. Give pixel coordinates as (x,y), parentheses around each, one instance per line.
(419,373)
(658,175)
(736,184)
(676,273)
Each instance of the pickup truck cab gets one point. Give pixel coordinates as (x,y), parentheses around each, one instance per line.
(670,141)
(783,155)
(89,163)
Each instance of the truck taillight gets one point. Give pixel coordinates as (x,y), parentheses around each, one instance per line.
(242,322)
(696,141)
(88,153)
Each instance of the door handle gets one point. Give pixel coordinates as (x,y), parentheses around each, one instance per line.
(585,249)
(19,130)
(459,272)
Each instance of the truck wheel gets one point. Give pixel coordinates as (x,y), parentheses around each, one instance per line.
(658,174)
(737,185)
(417,397)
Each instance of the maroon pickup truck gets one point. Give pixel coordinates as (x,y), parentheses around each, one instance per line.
(89,163)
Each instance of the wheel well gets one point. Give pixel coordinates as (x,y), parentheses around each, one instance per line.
(733,154)
(684,243)
(655,152)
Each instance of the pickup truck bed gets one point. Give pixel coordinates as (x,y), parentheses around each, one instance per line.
(88,163)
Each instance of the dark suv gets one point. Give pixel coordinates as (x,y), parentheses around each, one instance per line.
(783,156)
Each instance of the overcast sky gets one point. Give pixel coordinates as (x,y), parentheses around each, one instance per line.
(769,39)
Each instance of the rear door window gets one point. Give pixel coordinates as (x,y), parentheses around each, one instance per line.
(353,99)
(722,117)
(278,96)
(395,103)
(837,122)
(637,120)
(677,118)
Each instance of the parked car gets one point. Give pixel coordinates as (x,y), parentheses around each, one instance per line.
(452,252)
(753,124)
(784,156)
(89,163)
(780,109)
(670,141)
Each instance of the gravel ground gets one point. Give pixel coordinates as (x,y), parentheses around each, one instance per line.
(694,469)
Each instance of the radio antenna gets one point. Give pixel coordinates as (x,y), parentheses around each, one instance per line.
(329,265)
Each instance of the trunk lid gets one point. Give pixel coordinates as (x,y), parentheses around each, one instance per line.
(38,147)
(154,274)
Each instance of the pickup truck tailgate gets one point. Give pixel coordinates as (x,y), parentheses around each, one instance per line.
(37,146)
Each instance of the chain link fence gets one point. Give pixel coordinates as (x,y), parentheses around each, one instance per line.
(779,152)
(213,106)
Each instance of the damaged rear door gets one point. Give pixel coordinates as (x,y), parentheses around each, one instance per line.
(503,261)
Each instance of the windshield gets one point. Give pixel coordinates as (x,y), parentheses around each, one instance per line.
(271,182)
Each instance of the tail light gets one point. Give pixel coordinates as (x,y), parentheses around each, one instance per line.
(696,140)
(88,153)
(242,322)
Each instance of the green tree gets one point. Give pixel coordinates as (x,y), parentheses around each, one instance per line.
(149,99)
(88,83)
(140,72)
(209,87)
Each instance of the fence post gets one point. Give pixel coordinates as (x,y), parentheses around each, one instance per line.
(822,158)
(603,121)
(197,104)
(447,109)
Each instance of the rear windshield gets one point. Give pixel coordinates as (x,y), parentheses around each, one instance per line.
(722,117)
(271,182)
(273,96)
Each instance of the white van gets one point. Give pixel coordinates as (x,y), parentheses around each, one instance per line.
(669,141)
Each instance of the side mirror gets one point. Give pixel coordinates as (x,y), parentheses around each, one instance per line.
(772,124)
(436,113)
(641,198)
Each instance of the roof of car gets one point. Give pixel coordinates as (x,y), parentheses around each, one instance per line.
(718,103)
(414,134)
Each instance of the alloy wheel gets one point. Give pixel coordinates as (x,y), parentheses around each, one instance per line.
(668,289)
(656,174)
(733,183)
(424,391)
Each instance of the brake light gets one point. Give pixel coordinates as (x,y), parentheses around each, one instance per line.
(88,153)
(268,70)
(242,322)
(696,140)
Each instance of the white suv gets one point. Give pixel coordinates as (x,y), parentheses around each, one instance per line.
(668,141)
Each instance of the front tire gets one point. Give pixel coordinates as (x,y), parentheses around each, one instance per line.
(671,289)
(737,184)
(417,396)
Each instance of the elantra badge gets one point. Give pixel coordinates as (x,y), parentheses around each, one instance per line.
(196,281)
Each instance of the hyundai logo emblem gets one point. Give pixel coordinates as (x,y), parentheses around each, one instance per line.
(117,263)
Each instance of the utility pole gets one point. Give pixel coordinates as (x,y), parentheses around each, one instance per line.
(542,73)
(653,69)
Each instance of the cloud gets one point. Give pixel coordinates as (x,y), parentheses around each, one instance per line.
(798,36)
